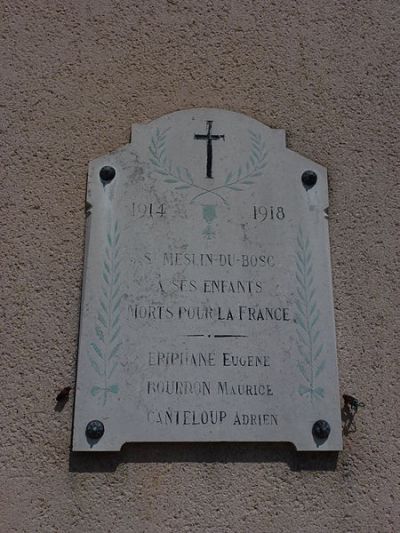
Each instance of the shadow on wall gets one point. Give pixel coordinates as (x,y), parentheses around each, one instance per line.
(203,453)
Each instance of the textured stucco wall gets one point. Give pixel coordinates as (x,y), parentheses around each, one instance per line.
(75,76)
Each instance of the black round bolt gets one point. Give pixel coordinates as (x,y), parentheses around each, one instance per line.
(309,179)
(321,430)
(107,173)
(95,430)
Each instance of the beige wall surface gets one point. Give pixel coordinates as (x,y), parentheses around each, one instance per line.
(75,75)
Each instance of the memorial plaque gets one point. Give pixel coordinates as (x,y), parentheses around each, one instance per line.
(207,307)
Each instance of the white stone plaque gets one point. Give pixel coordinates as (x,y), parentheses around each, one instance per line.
(207,307)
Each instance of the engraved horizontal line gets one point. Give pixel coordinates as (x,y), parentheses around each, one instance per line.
(217,336)
(224,336)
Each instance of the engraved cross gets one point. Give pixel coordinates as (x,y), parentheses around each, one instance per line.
(209,138)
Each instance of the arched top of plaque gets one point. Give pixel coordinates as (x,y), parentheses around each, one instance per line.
(231,149)
(207,307)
